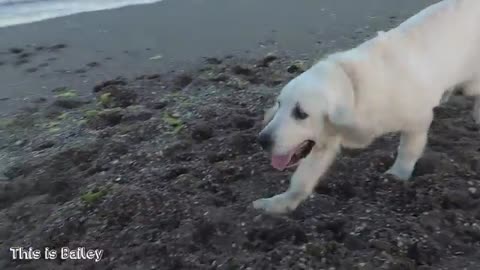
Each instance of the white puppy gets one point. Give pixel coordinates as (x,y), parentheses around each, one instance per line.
(390,83)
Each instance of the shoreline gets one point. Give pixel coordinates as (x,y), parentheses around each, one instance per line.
(24,12)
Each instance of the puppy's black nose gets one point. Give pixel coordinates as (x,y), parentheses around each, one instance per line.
(265,141)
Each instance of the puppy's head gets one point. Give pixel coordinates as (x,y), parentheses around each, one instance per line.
(306,114)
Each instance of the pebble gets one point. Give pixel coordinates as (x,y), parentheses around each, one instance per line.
(20,142)
(301,266)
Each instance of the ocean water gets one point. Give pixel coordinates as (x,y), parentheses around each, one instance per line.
(14,12)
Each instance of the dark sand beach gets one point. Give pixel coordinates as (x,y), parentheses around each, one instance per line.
(154,161)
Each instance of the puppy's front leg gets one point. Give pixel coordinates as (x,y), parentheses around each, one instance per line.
(302,183)
(409,151)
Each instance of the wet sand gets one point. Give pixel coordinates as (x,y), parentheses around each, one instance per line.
(177,35)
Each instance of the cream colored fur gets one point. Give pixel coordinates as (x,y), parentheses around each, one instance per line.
(390,83)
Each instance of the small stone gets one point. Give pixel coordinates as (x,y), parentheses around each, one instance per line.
(24,55)
(175,147)
(213,61)
(301,266)
(117,96)
(31,70)
(242,122)
(267,60)
(472,190)
(58,47)
(44,145)
(69,102)
(20,143)
(237,83)
(457,199)
(116,82)
(39,100)
(183,80)
(354,242)
(202,131)
(137,113)
(153,76)
(111,116)
(93,64)
(297,67)
(221,77)
(21,62)
(158,105)
(16,50)
(242,70)
(16,170)
(381,245)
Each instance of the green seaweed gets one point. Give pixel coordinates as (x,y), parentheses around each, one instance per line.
(91,114)
(62,116)
(175,122)
(177,129)
(6,122)
(67,93)
(92,197)
(54,129)
(105,99)
(172,120)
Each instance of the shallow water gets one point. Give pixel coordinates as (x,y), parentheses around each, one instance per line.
(13,12)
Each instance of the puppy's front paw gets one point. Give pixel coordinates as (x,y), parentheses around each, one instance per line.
(279,204)
(400,173)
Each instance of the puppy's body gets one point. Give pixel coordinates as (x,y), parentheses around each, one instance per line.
(400,75)
(390,83)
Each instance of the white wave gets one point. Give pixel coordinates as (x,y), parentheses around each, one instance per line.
(13,12)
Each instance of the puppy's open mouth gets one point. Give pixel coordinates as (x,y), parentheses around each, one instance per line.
(291,159)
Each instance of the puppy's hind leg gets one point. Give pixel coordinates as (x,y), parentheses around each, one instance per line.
(410,150)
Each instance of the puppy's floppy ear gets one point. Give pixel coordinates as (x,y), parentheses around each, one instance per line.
(341,100)
(269,114)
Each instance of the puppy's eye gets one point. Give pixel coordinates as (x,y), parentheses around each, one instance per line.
(298,113)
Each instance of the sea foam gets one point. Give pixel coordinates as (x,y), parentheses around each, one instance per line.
(13,12)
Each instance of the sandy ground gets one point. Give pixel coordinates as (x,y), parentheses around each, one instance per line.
(102,45)
(159,170)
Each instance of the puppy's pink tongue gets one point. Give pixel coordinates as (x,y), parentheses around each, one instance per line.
(280,162)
